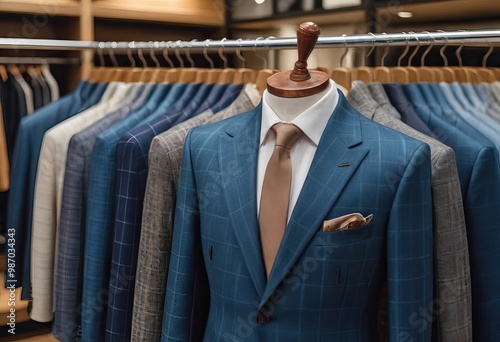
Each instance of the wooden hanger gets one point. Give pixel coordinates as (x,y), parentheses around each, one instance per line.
(14,70)
(382,73)
(261,79)
(487,74)
(427,74)
(400,74)
(448,75)
(300,82)
(3,73)
(413,72)
(342,75)
(363,73)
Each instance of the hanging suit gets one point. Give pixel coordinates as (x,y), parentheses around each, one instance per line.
(69,258)
(324,285)
(25,164)
(478,171)
(452,270)
(164,163)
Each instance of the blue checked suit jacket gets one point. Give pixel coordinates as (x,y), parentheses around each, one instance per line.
(100,212)
(25,164)
(478,171)
(131,176)
(323,285)
(69,266)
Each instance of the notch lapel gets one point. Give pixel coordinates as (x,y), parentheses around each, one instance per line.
(337,157)
(238,151)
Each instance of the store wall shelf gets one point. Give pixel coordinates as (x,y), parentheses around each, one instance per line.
(68,8)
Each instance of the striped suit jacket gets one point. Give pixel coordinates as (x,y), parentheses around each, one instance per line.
(157,218)
(453,306)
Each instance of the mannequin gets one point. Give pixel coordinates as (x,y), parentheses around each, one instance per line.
(324,284)
(289,108)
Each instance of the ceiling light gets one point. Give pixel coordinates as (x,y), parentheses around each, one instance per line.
(405,15)
(258,2)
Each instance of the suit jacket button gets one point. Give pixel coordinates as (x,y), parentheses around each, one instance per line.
(262,318)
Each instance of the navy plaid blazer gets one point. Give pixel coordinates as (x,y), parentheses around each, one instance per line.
(132,169)
(100,211)
(323,285)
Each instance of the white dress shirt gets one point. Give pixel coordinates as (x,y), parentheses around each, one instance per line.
(312,122)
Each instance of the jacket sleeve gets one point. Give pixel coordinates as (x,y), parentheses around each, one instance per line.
(187,297)
(410,253)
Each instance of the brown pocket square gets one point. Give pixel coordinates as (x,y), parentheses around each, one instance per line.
(345,222)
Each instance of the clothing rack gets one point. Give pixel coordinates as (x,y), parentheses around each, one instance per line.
(40,60)
(487,37)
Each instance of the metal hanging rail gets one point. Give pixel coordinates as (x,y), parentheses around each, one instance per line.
(40,60)
(488,37)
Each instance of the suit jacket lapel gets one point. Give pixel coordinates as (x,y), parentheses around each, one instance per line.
(238,163)
(328,175)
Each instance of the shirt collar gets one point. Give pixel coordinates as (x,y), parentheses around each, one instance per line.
(312,121)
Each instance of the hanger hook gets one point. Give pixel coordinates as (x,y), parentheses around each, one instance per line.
(221,52)
(238,53)
(410,59)
(178,54)
(458,53)
(205,54)
(129,54)
(405,52)
(487,55)
(165,54)
(256,54)
(143,60)
(100,47)
(426,52)
(346,50)
(152,54)
(386,52)
(459,56)
(372,47)
(188,54)
(441,51)
(112,47)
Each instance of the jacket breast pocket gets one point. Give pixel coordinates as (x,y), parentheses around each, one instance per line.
(343,236)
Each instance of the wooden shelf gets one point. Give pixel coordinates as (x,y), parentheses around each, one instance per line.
(199,13)
(69,8)
(321,18)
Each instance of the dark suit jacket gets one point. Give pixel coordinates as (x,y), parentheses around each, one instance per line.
(324,285)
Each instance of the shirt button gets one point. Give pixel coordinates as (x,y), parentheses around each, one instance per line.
(262,318)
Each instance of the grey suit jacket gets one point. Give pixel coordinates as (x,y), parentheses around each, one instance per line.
(453,305)
(165,155)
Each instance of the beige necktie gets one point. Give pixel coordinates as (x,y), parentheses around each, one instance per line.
(275,196)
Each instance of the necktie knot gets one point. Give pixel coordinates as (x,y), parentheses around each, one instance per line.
(286,134)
